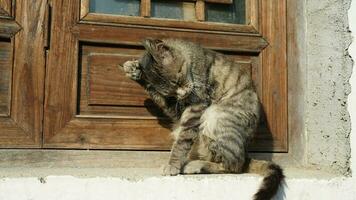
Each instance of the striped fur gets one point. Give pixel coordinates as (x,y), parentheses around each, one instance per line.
(215,106)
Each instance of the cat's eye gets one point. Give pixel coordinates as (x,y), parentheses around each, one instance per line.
(175,82)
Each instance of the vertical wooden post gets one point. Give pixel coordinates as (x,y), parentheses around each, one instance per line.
(200,10)
(145,8)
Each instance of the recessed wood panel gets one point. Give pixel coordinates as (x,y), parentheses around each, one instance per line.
(104,88)
(5,75)
(107,83)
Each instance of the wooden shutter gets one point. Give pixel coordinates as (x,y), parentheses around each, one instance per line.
(22,62)
(91,104)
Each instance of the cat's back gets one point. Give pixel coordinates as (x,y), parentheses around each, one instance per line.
(228,77)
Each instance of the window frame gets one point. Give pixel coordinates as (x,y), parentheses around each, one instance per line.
(250,27)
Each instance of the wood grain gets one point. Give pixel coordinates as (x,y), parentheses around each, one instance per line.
(252,13)
(107,84)
(216,1)
(5,7)
(220,1)
(200,10)
(84,8)
(62,127)
(104,133)
(108,109)
(123,35)
(145,8)
(61,75)
(23,127)
(274,69)
(116,20)
(8,28)
(5,76)
(88,109)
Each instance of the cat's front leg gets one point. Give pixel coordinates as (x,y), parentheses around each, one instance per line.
(185,135)
(180,149)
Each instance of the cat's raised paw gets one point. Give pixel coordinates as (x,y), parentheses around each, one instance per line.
(132,69)
(169,170)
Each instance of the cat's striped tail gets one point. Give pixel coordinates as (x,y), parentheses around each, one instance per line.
(273,177)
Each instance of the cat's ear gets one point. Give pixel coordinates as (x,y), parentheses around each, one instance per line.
(158,49)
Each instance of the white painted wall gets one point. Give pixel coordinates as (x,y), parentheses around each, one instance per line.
(186,188)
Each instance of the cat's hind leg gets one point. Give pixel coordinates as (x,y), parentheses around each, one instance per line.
(227,136)
(203,167)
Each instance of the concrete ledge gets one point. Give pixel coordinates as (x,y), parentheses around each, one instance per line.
(180,187)
(133,165)
(46,174)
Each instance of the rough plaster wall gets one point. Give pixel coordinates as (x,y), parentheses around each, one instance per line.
(352,96)
(328,71)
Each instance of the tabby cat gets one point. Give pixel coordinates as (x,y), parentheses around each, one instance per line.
(214,104)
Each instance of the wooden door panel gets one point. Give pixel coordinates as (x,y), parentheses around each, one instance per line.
(109,133)
(104,88)
(5,75)
(107,84)
(22,61)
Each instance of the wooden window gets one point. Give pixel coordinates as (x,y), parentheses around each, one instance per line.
(89,103)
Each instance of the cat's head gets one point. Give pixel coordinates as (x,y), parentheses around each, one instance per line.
(166,67)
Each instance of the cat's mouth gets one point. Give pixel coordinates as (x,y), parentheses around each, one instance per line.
(182,93)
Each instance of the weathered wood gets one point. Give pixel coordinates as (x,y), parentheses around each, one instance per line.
(8,28)
(252,13)
(200,10)
(84,8)
(5,76)
(123,35)
(107,84)
(90,109)
(109,110)
(23,127)
(100,133)
(61,126)
(145,8)
(117,20)
(5,7)
(274,69)
(188,9)
(61,76)
(216,1)
(71,159)
(144,108)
